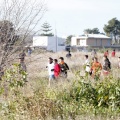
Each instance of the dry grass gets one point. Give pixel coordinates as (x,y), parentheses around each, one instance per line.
(38,77)
(37,72)
(36,64)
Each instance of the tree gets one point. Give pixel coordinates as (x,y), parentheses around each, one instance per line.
(112,28)
(87,31)
(7,39)
(91,31)
(46,28)
(16,15)
(68,40)
(7,33)
(95,31)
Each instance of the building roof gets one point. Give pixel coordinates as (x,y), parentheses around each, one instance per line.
(93,36)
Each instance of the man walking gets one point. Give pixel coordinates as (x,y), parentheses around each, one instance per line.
(64,67)
(50,67)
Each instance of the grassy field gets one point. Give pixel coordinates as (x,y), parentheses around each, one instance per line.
(74,98)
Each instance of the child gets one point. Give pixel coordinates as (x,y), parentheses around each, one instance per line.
(113,53)
(106,53)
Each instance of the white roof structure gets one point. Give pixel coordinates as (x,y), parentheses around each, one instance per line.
(93,36)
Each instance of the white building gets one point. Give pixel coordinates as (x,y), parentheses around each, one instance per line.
(51,43)
(93,40)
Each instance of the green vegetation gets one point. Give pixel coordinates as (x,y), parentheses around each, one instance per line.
(113,28)
(91,31)
(72,100)
(46,28)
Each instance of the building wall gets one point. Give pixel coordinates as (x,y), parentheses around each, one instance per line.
(91,42)
(82,42)
(78,41)
(98,42)
(41,41)
(73,41)
(61,44)
(56,44)
(51,43)
(106,42)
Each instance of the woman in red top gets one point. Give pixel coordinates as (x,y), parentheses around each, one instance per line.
(113,53)
(56,68)
(106,53)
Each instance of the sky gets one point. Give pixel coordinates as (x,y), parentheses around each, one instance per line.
(71,17)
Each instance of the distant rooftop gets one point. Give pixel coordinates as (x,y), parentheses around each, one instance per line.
(93,36)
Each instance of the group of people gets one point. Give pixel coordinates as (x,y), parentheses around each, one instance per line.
(92,67)
(95,68)
(56,69)
(113,53)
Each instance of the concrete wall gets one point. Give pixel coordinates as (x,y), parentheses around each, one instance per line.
(40,41)
(91,42)
(98,42)
(51,44)
(82,42)
(78,41)
(56,44)
(73,41)
(106,42)
(61,44)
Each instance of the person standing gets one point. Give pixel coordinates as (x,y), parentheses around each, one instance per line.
(29,51)
(106,65)
(106,53)
(50,67)
(93,53)
(96,68)
(22,65)
(64,67)
(68,55)
(22,55)
(87,65)
(56,68)
(113,53)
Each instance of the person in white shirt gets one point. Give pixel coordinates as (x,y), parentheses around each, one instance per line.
(87,65)
(50,67)
(94,53)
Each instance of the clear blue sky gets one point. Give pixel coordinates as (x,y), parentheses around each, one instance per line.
(73,16)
